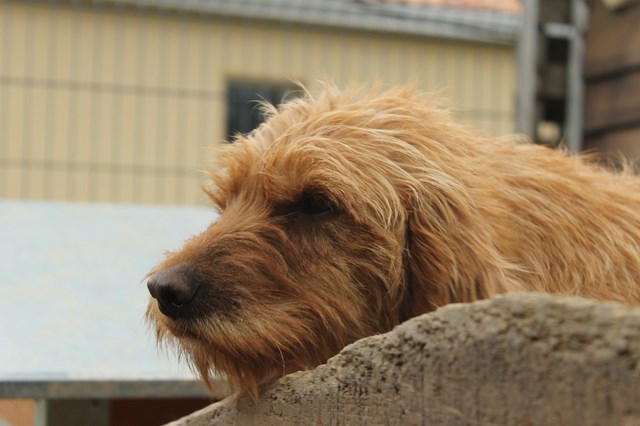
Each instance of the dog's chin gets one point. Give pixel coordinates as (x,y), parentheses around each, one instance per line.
(177,337)
(186,338)
(238,349)
(170,332)
(210,363)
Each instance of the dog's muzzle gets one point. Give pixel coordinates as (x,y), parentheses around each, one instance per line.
(175,290)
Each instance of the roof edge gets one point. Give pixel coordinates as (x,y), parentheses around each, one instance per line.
(428,21)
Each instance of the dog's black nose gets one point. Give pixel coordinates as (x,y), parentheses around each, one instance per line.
(175,290)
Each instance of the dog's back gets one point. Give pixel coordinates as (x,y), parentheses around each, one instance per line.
(515,216)
(569,225)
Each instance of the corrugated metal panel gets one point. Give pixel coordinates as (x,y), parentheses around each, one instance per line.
(121,104)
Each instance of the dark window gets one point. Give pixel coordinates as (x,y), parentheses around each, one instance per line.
(557,50)
(243,103)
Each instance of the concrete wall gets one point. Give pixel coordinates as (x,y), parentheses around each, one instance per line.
(514,360)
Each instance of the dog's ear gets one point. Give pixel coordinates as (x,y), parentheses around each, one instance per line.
(449,256)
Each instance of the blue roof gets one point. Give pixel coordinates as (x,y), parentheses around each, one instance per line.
(72,296)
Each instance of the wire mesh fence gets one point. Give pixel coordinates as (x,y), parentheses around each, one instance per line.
(119,101)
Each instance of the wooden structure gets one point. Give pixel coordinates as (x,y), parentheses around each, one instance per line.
(550,52)
(612,75)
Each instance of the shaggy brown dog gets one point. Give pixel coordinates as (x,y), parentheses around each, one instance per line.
(344,215)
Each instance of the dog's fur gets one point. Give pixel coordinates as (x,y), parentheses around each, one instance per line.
(346,214)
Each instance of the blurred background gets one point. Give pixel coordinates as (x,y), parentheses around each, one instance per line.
(119,101)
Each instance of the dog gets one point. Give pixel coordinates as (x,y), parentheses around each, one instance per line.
(346,213)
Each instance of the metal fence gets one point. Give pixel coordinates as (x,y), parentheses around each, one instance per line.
(119,101)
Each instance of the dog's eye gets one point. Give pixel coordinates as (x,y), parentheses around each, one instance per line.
(314,204)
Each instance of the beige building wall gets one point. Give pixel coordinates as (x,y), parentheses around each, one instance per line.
(120,105)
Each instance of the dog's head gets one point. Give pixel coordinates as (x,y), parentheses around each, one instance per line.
(339,218)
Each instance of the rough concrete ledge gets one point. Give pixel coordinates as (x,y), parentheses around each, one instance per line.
(515,360)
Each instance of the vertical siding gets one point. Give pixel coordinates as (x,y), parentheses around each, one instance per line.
(103,104)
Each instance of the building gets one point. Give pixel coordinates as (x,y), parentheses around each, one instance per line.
(118,101)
